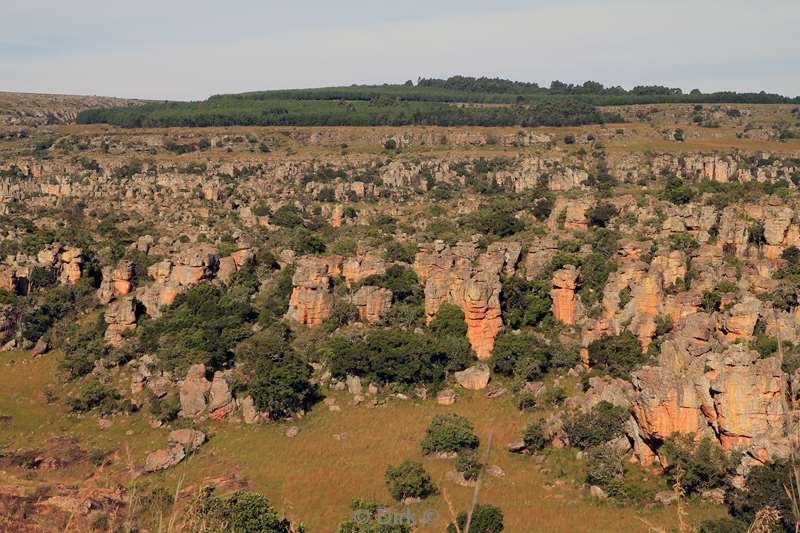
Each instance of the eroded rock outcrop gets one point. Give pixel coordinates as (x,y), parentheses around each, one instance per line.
(311,302)
(373,303)
(566,303)
(120,316)
(703,387)
(461,276)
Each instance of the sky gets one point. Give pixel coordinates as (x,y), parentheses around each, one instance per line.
(189,50)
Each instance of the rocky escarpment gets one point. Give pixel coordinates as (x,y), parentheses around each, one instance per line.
(703,387)
(462,276)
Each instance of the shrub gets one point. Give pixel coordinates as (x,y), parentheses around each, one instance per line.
(403,282)
(764,488)
(524,303)
(497,219)
(82,344)
(282,387)
(368,517)
(402,252)
(485,519)
(279,381)
(449,433)
(467,463)
(201,326)
(605,469)
(96,395)
(510,349)
(526,401)
(618,355)
(241,512)
(394,355)
(791,254)
(534,438)
(595,269)
(274,304)
(409,480)
(703,465)
(601,214)
(165,409)
(343,313)
(449,320)
(603,423)
(677,192)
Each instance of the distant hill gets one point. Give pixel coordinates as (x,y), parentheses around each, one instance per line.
(33,109)
(456,101)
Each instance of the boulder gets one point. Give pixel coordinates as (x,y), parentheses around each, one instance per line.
(474,378)
(193,390)
(164,458)
(190,439)
(446,397)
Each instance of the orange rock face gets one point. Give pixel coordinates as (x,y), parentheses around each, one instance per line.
(373,303)
(311,302)
(565,301)
(459,275)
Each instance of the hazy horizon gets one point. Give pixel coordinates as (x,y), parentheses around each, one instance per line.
(189,51)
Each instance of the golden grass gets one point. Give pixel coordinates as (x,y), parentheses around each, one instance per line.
(314,477)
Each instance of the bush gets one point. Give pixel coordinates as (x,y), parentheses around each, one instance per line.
(524,303)
(449,433)
(201,326)
(394,355)
(595,269)
(534,438)
(402,252)
(449,320)
(409,480)
(618,355)
(274,304)
(165,409)
(368,517)
(403,282)
(467,463)
(604,423)
(485,519)
(82,344)
(605,469)
(601,214)
(702,465)
(96,395)
(512,353)
(279,381)
(496,219)
(764,488)
(241,512)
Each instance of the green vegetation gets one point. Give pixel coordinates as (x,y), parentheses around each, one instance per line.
(96,395)
(397,356)
(232,110)
(525,303)
(618,355)
(241,512)
(534,438)
(602,424)
(409,480)
(369,515)
(700,465)
(201,326)
(485,519)
(449,433)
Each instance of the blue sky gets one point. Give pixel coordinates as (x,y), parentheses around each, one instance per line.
(191,49)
